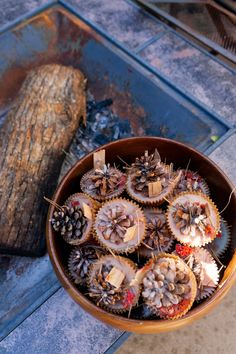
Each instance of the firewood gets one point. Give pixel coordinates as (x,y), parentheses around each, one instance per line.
(40,125)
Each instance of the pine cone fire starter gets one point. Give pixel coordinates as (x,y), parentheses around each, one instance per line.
(204,268)
(158,236)
(120,225)
(109,284)
(103,183)
(72,224)
(150,213)
(146,171)
(193,219)
(190,182)
(80,260)
(169,286)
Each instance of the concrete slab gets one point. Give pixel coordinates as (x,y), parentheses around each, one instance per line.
(194,72)
(213,334)
(60,326)
(119,19)
(225,157)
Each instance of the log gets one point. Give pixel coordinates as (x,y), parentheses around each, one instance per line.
(40,125)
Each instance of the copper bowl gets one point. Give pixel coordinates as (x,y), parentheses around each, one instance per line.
(180,155)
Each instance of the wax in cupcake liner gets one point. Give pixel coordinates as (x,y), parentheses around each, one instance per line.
(126,297)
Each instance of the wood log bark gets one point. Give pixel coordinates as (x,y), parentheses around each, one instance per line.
(40,125)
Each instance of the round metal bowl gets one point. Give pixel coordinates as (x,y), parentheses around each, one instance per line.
(180,155)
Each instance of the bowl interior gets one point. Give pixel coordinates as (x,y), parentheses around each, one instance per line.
(170,151)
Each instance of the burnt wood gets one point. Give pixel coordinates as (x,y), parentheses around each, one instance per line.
(40,125)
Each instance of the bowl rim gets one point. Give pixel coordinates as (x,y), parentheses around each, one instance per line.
(151,326)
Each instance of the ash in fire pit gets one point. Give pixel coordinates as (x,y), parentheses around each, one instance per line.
(102,127)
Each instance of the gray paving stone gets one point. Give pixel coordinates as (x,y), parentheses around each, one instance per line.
(225,157)
(24,284)
(119,19)
(60,326)
(196,73)
(11,9)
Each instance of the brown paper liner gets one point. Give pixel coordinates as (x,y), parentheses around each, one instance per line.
(130,246)
(100,198)
(151,200)
(193,285)
(143,250)
(126,266)
(176,232)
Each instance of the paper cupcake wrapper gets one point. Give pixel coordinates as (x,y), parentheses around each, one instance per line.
(113,248)
(205,293)
(182,238)
(118,191)
(125,265)
(184,309)
(146,252)
(222,243)
(145,200)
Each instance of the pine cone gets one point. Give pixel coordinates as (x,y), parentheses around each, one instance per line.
(166,284)
(158,235)
(69,222)
(80,260)
(191,181)
(114,223)
(103,182)
(102,291)
(146,169)
(190,217)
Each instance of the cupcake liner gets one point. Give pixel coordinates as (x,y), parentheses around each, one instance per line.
(222,241)
(203,186)
(146,200)
(129,268)
(144,250)
(198,240)
(205,293)
(184,306)
(118,191)
(131,245)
